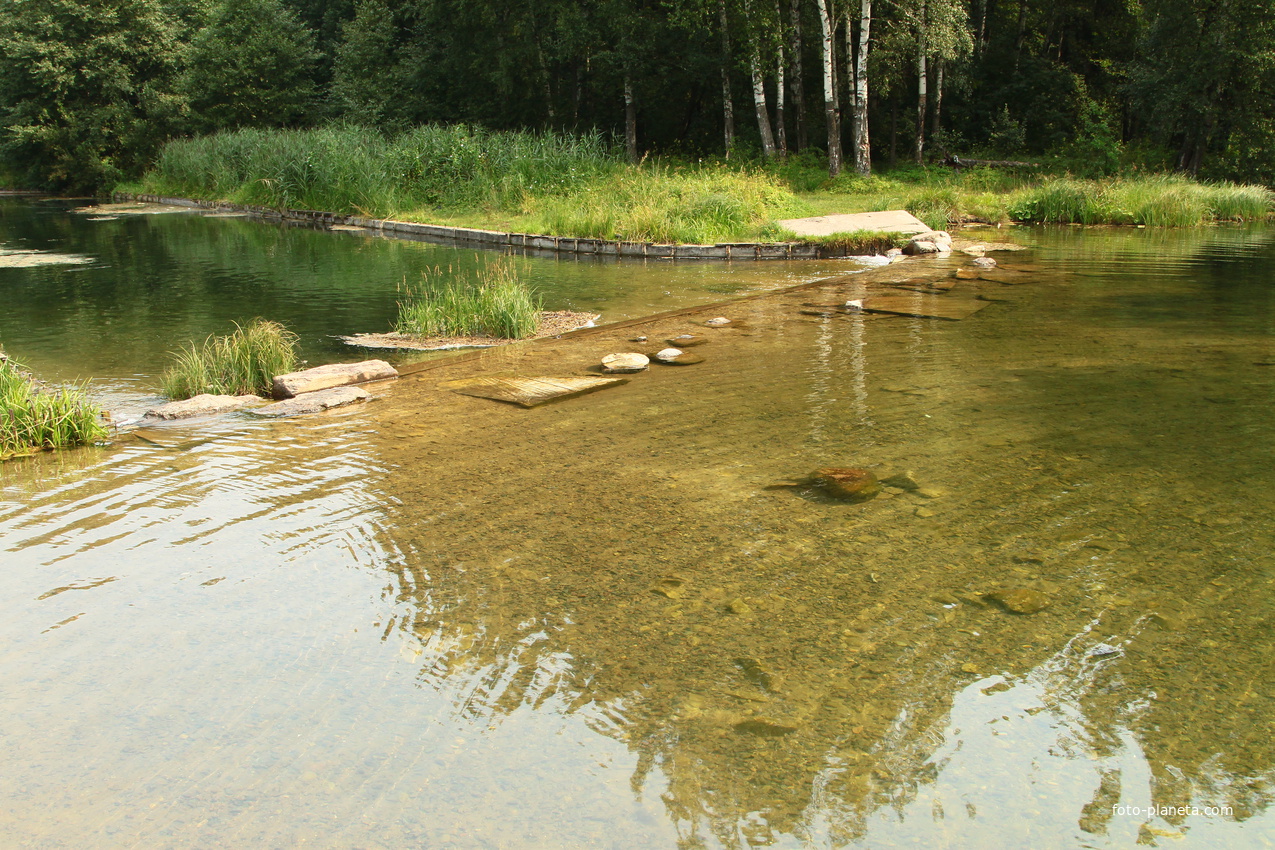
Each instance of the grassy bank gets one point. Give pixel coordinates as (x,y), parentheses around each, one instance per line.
(448,305)
(241,363)
(531,182)
(942,197)
(34,417)
(579,186)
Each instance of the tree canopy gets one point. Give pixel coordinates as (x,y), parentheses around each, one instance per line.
(88,89)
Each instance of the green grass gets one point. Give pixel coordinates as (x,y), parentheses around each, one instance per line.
(570,185)
(498,305)
(855,243)
(34,417)
(579,185)
(241,363)
(1155,201)
(659,203)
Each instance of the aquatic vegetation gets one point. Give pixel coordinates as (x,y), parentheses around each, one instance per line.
(241,363)
(498,305)
(35,417)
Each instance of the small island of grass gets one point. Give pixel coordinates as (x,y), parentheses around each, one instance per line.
(35,417)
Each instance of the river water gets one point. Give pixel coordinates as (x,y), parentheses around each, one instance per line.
(441,621)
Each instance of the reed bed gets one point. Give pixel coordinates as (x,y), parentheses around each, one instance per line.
(499,304)
(352,169)
(241,363)
(34,417)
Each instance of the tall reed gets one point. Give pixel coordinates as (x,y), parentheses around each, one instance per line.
(35,417)
(241,363)
(353,169)
(499,305)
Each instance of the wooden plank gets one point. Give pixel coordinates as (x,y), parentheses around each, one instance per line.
(923,306)
(530,392)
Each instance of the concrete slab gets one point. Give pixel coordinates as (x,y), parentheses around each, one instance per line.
(892,221)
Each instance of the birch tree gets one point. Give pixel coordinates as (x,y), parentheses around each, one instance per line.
(831,112)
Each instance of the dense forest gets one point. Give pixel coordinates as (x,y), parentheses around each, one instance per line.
(89,89)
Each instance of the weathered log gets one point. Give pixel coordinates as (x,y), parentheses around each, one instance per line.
(961,162)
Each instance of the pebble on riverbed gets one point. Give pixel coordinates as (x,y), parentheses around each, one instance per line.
(1020,600)
(718,322)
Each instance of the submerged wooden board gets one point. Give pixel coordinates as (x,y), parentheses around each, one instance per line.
(530,392)
(924,306)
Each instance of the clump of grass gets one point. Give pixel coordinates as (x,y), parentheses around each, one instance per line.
(499,305)
(34,417)
(241,363)
(857,242)
(657,203)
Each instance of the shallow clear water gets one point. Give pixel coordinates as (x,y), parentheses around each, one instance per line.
(441,621)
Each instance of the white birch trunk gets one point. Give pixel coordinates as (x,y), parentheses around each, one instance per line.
(759,101)
(830,111)
(862,146)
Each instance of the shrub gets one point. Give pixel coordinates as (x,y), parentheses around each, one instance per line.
(243,362)
(499,306)
(35,417)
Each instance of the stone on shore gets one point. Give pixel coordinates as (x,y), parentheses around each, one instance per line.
(203,404)
(314,402)
(625,362)
(933,242)
(332,375)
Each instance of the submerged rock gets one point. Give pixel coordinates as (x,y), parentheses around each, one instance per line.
(718,322)
(203,404)
(686,341)
(333,375)
(1020,600)
(985,263)
(851,485)
(902,480)
(625,362)
(666,355)
(314,402)
(765,727)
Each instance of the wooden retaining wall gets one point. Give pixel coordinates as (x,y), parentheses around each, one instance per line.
(525,241)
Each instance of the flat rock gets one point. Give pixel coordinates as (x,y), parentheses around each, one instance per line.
(664,355)
(629,361)
(718,322)
(314,402)
(531,392)
(892,221)
(332,375)
(203,404)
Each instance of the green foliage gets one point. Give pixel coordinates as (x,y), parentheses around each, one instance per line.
(500,305)
(85,88)
(250,67)
(244,362)
(34,417)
